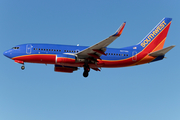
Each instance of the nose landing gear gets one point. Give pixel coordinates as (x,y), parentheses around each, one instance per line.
(21,62)
(22,67)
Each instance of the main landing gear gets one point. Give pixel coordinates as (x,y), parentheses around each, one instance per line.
(86,70)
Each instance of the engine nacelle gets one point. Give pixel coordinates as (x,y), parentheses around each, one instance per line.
(66,69)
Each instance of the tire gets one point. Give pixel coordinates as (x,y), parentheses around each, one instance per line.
(22,67)
(85,74)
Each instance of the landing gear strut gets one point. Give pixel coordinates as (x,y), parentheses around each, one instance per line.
(86,70)
(22,67)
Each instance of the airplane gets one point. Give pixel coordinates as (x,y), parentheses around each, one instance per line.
(68,58)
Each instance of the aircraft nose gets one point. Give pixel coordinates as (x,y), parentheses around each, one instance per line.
(7,54)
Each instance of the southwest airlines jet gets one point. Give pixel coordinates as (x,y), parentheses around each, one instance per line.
(67,58)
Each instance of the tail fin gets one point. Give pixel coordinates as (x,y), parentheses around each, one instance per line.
(155,39)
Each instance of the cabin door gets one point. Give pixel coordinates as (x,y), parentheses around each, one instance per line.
(134,56)
(28,48)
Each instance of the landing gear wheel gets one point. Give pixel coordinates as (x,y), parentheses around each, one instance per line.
(86,69)
(85,73)
(22,67)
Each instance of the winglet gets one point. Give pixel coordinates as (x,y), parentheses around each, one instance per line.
(119,31)
(161,52)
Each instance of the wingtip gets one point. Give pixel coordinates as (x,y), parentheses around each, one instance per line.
(120,29)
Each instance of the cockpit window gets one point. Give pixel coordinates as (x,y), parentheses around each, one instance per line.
(15,48)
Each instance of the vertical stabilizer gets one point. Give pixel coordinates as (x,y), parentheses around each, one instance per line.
(155,39)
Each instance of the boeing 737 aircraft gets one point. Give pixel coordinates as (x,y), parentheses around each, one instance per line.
(67,58)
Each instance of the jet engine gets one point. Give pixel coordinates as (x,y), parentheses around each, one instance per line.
(66,69)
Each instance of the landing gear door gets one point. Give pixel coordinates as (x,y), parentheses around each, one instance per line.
(28,48)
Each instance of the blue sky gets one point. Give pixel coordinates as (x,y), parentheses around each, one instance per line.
(144,92)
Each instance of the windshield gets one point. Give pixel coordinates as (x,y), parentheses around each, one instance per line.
(15,48)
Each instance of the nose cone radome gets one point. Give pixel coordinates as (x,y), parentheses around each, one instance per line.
(7,54)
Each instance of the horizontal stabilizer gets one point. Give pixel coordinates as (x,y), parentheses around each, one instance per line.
(161,52)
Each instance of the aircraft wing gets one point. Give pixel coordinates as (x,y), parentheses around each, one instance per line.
(98,49)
